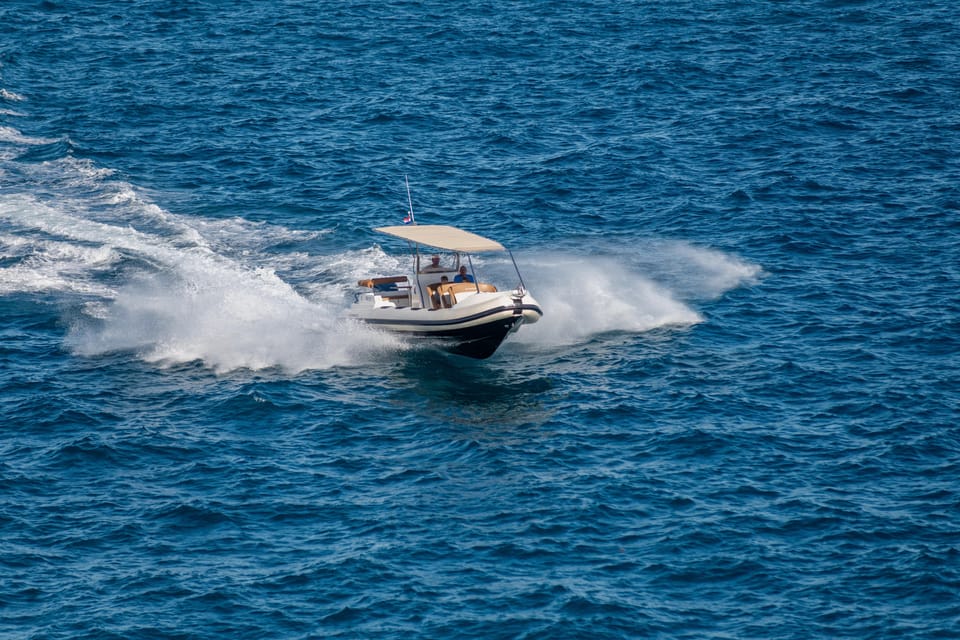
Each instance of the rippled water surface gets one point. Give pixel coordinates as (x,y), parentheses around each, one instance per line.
(737,419)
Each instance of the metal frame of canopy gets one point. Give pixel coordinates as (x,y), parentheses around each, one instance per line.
(441,236)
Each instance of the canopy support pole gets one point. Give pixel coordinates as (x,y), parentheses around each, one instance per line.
(523,287)
(476,280)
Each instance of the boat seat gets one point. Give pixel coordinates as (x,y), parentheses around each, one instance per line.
(439,300)
(460,287)
(388,283)
(451,289)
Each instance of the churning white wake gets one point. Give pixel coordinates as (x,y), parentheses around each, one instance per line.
(225,316)
(182,301)
(133,277)
(173,296)
(174,289)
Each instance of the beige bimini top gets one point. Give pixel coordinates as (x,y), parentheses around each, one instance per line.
(442,236)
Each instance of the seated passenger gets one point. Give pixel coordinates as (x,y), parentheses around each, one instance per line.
(463,276)
(433,266)
(438,299)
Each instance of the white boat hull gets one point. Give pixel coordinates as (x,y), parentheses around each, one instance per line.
(474,328)
(445,302)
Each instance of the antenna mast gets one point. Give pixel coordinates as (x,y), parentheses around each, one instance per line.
(413,220)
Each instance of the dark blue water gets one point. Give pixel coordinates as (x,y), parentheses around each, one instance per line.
(737,419)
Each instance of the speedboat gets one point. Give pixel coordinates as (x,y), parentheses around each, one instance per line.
(446,303)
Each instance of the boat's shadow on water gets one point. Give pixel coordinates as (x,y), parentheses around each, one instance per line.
(454,389)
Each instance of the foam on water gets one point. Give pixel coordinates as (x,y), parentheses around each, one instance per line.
(167,288)
(13,141)
(10,95)
(183,302)
(186,302)
(585,296)
(15,136)
(196,289)
(623,290)
(228,317)
(51,265)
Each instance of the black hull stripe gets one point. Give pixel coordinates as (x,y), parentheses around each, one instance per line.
(454,322)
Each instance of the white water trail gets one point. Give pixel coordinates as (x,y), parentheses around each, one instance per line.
(184,303)
(175,289)
(182,300)
(226,316)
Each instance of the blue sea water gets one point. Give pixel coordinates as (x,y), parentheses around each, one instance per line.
(737,419)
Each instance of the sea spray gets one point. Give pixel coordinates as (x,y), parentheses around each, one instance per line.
(179,301)
(193,289)
(226,317)
(234,293)
(172,295)
(693,272)
(656,284)
(784,469)
(583,296)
